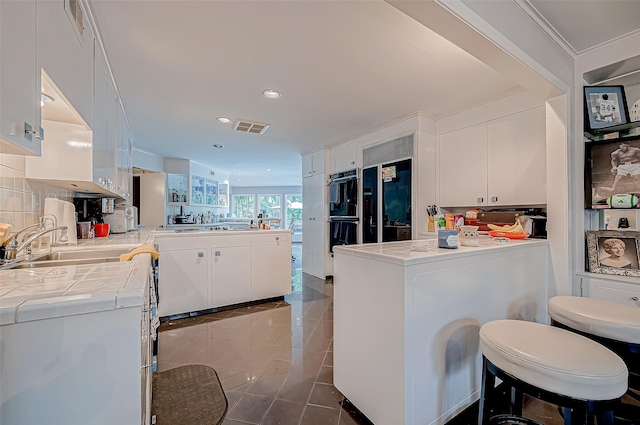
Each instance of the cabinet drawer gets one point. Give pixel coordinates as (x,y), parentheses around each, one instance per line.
(278,238)
(621,292)
(231,240)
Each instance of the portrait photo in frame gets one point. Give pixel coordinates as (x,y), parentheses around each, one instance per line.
(614,252)
(604,106)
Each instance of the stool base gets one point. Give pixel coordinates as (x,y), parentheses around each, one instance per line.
(576,412)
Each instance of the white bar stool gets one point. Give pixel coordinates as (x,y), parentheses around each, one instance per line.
(614,325)
(551,364)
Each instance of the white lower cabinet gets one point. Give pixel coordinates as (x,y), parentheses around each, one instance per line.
(230,276)
(617,289)
(271,266)
(215,269)
(183,283)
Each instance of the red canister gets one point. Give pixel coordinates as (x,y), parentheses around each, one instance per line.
(101,229)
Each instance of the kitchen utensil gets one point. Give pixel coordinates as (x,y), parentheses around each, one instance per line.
(430,225)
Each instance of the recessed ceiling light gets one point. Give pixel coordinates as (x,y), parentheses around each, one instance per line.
(271,94)
(268,169)
(224,120)
(44,98)
(218,146)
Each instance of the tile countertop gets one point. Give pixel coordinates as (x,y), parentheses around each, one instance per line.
(426,250)
(48,292)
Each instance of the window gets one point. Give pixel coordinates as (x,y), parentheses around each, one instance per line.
(294,213)
(243,206)
(269,206)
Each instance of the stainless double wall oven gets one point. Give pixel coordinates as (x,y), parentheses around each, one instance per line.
(343,208)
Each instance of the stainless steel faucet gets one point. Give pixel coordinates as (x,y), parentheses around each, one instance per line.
(14,248)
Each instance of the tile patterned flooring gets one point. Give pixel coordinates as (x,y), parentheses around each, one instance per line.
(275,360)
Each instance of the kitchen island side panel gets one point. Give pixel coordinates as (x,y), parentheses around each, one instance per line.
(369,355)
(451,300)
(406,347)
(79,369)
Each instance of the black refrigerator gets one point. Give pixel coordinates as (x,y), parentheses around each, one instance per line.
(386,196)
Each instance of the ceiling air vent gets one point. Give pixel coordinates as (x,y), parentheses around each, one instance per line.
(250,126)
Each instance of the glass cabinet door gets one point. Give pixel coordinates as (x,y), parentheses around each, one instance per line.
(177,188)
(223,194)
(197,190)
(211,192)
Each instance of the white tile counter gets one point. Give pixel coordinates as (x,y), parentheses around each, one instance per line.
(413,252)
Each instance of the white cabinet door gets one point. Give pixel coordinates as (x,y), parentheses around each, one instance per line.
(183,284)
(67,57)
(318,162)
(344,157)
(462,176)
(612,290)
(313,226)
(313,163)
(19,79)
(517,165)
(101,160)
(230,275)
(271,255)
(307,165)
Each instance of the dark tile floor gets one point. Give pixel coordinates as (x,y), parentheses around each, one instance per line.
(275,360)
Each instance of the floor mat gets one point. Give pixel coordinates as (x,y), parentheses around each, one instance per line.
(189,394)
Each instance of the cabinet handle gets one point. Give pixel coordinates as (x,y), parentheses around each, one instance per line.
(494,199)
(277,238)
(217,253)
(200,254)
(479,199)
(634,298)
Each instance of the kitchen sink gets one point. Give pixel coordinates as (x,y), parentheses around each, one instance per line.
(72,258)
(82,255)
(57,263)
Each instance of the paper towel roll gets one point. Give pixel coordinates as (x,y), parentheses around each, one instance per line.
(69,220)
(65,214)
(54,207)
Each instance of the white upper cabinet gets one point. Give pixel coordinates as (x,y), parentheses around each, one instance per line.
(313,163)
(67,56)
(344,157)
(517,166)
(19,79)
(498,163)
(462,175)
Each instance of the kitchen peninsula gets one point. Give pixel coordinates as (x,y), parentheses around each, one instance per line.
(205,269)
(407,316)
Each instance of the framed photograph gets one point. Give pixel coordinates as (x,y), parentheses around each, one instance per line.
(614,252)
(611,168)
(604,106)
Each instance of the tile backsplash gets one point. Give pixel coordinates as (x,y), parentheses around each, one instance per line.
(21,200)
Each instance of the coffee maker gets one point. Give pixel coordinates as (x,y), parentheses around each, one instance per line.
(92,209)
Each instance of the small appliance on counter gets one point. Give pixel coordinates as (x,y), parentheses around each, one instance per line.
(118,220)
(132,218)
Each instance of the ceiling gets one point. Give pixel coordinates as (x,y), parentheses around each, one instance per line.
(343,68)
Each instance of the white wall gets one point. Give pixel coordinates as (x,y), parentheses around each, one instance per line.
(147,160)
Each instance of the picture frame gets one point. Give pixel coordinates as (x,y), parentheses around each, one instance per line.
(604,106)
(614,252)
(601,180)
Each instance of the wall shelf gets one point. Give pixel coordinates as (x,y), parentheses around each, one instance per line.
(616,132)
